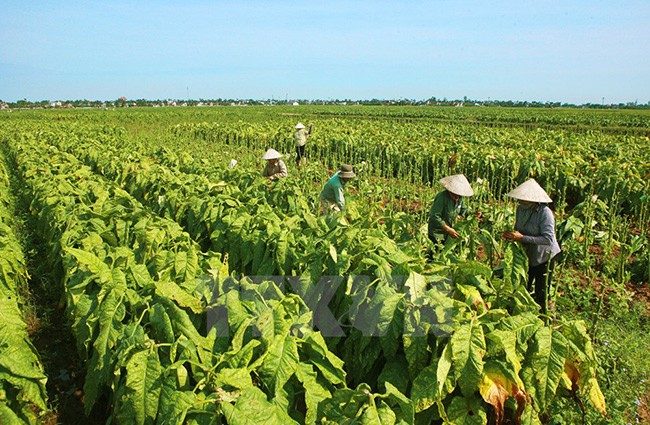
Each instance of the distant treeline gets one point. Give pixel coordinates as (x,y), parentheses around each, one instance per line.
(433,101)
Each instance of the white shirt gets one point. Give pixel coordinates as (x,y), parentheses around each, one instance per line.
(300,137)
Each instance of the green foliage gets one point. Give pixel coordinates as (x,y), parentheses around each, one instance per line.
(153,235)
(22,380)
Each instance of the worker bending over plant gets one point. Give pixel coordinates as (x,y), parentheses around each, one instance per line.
(275,167)
(332,197)
(447,206)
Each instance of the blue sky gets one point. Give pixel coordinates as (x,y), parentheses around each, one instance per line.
(568,51)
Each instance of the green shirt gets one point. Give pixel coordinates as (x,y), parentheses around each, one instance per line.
(333,191)
(443,211)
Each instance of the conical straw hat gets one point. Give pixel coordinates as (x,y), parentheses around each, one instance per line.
(530,191)
(457,184)
(300,125)
(272,154)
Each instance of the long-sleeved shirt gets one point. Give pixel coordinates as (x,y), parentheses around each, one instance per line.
(277,170)
(538,228)
(444,211)
(333,191)
(300,136)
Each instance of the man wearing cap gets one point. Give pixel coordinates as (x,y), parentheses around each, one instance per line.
(331,197)
(535,229)
(275,167)
(447,206)
(300,138)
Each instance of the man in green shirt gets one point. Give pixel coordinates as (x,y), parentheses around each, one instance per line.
(331,197)
(447,206)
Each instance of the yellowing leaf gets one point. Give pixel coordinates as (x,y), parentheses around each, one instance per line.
(173,291)
(596,396)
(333,254)
(494,393)
(571,375)
(496,388)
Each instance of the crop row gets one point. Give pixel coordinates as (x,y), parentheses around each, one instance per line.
(22,380)
(572,166)
(608,121)
(117,265)
(594,120)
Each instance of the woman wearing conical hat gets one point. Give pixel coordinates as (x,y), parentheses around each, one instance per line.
(300,136)
(447,206)
(535,229)
(275,167)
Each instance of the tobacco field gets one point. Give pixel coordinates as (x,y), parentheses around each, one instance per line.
(144,281)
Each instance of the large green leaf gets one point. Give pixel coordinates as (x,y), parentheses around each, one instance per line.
(346,405)
(139,401)
(515,264)
(173,404)
(315,390)
(416,350)
(400,404)
(320,356)
(252,408)
(466,411)
(233,379)
(524,325)
(166,288)
(100,367)
(377,313)
(416,284)
(242,357)
(180,321)
(19,366)
(544,365)
(445,381)
(280,363)
(467,351)
(504,344)
(93,263)
(161,324)
(8,416)
(425,390)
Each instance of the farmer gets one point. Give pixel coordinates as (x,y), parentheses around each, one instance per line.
(300,138)
(535,229)
(447,206)
(275,167)
(331,197)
